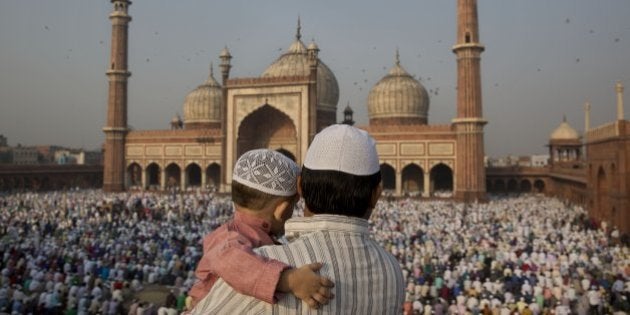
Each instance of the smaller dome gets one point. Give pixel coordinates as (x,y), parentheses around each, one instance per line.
(176,119)
(225,52)
(202,106)
(312,46)
(564,132)
(348,110)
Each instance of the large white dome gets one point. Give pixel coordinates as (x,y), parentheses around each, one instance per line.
(295,62)
(398,98)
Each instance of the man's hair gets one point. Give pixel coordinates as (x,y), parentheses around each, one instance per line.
(250,198)
(334,192)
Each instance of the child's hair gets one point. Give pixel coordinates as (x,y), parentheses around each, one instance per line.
(250,198)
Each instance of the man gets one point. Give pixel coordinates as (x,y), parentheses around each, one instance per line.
(340,184)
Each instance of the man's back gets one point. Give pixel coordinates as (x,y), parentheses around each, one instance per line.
(368,280)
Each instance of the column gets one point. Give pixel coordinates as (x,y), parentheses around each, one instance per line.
(144,179)
(182,180)
(203,178)
(398,184)
(427,184)
(163,179)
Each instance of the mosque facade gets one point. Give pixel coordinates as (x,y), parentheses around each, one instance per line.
(284,107)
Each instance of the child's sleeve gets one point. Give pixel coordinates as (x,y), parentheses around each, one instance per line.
(234,261)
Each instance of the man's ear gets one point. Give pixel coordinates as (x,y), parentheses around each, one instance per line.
(376,194)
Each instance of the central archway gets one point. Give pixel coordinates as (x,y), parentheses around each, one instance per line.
(266,127)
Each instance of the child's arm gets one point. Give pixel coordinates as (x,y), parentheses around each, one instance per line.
(306,285)
(234,261)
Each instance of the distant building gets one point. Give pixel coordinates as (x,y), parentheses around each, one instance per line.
(25,155)
(3,141)
(591,170)
(78,157)
(540,160)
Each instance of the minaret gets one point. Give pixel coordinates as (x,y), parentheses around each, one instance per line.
(225,66)
(619,88)
(587,117)
(470,173)
(116,126)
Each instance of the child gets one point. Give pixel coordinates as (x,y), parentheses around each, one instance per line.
(264,194)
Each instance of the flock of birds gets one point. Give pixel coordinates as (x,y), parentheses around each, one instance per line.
(358,85)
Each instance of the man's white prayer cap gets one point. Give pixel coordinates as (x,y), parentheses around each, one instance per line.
(345,149)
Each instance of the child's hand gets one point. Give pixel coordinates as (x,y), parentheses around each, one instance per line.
(307,285)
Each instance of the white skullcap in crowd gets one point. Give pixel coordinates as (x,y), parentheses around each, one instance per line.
(268,171)
(345,149)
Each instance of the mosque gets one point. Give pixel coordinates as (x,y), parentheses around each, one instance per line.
(298,94)
(283,108)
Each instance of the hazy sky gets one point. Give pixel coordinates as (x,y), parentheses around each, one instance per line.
(543,59)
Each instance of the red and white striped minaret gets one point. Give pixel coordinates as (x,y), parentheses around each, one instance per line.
(470,174)
(116,126)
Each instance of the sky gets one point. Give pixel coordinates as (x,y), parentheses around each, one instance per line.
(544,59)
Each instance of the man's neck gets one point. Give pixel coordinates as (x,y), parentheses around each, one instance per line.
(308,213)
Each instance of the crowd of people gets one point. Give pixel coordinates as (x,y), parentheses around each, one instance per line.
(525,255)
(86,252)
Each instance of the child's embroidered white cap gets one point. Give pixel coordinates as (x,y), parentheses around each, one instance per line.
(343,148)
(268,171)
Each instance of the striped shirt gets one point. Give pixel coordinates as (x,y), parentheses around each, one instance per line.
(368,280)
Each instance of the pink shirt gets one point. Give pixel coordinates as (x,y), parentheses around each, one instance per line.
(228,255)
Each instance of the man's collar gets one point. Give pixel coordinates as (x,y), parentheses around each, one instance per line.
(324,222)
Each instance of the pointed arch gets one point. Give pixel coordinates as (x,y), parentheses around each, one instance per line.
(193,175)
(173,175)
(539,186)
(134,175)
(266,127)
(153,174)
(213,176)
(441,178)
(413,179)
(388,175)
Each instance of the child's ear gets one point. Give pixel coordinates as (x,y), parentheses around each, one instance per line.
(282,210)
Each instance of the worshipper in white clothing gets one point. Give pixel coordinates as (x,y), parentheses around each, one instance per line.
(340,184)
